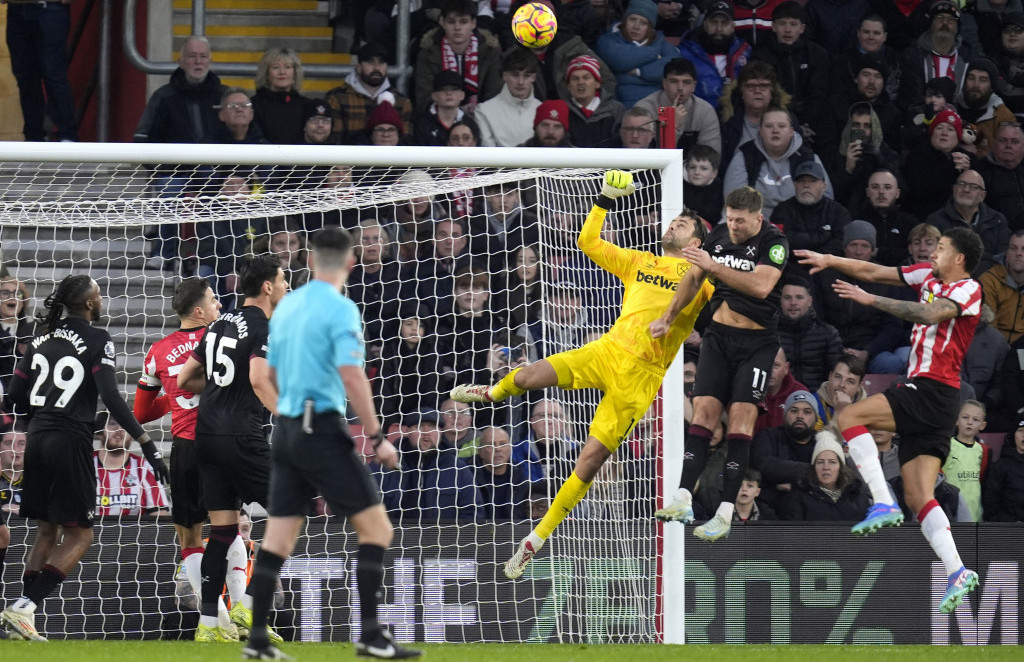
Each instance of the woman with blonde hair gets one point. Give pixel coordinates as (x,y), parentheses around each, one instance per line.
(278,106)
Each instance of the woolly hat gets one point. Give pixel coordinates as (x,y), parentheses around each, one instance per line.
(384,113)
(942,85)
(855,230)
(645,8)
(944,7)
(586,62)
(552,109)
(799,396)
(986,65)
(825,440)
(873,61)
(948,115)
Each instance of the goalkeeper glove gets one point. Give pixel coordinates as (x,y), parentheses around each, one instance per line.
(617,183)
(154,458)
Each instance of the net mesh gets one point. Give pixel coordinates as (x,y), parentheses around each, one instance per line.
(462,274)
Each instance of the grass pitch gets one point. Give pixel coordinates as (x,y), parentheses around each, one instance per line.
(179,651)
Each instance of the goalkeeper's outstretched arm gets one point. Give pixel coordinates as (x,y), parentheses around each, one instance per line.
(617,183)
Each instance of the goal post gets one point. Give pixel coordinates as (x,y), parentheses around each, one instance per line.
(609,573)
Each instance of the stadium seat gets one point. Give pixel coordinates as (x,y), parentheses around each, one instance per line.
(994,441)
(878,382)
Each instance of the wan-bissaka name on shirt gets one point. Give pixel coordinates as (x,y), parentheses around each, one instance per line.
(65,334)
(656,279)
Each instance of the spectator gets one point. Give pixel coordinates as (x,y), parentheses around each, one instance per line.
(364,89)
(413,370)
(862,152)
(566,318)
(923,241)
(1004,174)
(12,468)
(410,223)
(278,105)
(833,23)
(637,130)
(801,64)
(868,88)
(940,51)
(939,94)
(812,346)
(506,120)
(125,483)
(431,125)
(318,122)
(431,278)
(881,208)
(591,119)
(16,328)
(702,188)
(967,462)
(37,34)
(1003,284)
(979,104)
(236,119)
(636,52)
(457,46)
(783,453)
(984,358)
(696,121)
(522,298)
(749,508)
(810,220)
(845,386)
(457,428)
(374,283)
(967,208)
(432,484)
(766,163)
(872,37)
(781,385)
(744,103)
(503,225)
(888,452)
(384,127)
(550,125)
(548,451)
(712,42)
(503,494)
(1004,487)
(753,19)
(1009,58)
(285,239)
(829,492)
(989,18)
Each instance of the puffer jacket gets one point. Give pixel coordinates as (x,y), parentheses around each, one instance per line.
(625,56)
(812,346)
(808,503)
(709,82)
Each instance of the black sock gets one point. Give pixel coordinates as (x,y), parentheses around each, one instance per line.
(215,566)
(27,580)
(695,455)
(48,579)
(737,459)
(369,578)
(261,588)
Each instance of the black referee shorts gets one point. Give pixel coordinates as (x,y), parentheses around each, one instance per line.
(925,412)
(735,364)
(235,469)
(59,483)
(323,463)
(186,484)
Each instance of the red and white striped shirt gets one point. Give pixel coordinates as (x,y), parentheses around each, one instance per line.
(937,350)
(129,490)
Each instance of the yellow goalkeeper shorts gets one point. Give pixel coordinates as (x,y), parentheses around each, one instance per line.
(629,385)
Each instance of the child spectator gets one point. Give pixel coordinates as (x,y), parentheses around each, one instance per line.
(702,188)
(968,458)
(748,507)
(1004,487)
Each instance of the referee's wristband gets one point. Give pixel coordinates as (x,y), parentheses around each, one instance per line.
(604,202)
(377,439)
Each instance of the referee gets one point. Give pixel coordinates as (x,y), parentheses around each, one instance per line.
(316,357)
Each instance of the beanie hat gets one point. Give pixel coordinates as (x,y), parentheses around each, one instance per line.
(873,61)
(986,65)
(855,230)
(942,85)
(826,440)
(645,8)
(799,396)
(552,109)
(944,7)
(948,115)
(586,62)
(385,113)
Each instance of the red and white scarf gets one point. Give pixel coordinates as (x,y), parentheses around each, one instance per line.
(461,200)
(470,69)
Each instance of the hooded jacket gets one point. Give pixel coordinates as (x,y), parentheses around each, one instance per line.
(826,403)
(879,155)
(709,82)
(780,459)
(772,414)
(353,104)
(700,127)
(625,57)
(921,65)
(180,112)
(506,121)
(987,123)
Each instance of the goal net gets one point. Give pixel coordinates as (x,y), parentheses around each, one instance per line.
(467,266)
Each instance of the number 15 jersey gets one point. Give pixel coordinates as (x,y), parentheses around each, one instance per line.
(228,405)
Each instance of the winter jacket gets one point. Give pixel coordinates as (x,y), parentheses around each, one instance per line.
(812,346)
(803,71)
(780,459)
(353,104)
(554,461)
(413,377)
(892,232)
(1011,70)
(429,486)
(989,224)
(709,82)
(857,324)
(808,503)
(506,121)
(774,405)
(504,496)
(625,56)
(429,63)
(843,72)
(921,66)
(772,177)
(928,178)
(551,83)
(594,131)
(708,201)
(982,362)
(736,130)
(377,295)
(280,116)
(836,118)
(1005,190)
(700,127)
(428,130)
(753,20)
(180,112)
(817,227)
(986,121)
(987,26)
(1003,497)
(1006,299)
(834,23)
(877,155)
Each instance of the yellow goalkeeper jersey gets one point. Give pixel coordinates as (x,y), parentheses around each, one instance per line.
(651,281)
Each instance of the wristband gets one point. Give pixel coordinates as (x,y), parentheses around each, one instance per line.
(377,439)
(604,202)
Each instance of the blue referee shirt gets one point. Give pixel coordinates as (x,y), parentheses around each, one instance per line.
(313,332)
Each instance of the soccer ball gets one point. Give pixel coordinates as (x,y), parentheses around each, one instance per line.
(534,25)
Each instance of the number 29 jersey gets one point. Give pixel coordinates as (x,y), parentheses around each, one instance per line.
(228,405)
(60,366)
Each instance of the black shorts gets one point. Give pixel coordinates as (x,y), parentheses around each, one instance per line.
(323,463)
(735,364)
(186,485)
(925,412)
(235,469)
(59,483)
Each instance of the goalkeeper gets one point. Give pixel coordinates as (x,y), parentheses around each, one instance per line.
(625,363)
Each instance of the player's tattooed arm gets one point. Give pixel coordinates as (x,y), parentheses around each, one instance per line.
(937,311)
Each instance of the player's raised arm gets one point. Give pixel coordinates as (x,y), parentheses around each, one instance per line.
(617,183)
(860,269)
(933,312)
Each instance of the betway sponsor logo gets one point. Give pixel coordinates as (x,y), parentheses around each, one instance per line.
(656,279)
(733,262)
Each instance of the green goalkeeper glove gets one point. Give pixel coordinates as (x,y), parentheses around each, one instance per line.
(617,183)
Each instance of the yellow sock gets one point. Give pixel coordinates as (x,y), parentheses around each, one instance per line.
(506,387)
(572,492)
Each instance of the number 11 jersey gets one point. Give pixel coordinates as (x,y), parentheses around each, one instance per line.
(228,405)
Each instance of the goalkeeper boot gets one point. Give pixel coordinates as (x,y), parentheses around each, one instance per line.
(961,582)
(268,653)
(23,622)
(527,550)
(879,515)
(471,393)
(381,644)
(213,635)
(242,619)
(680,509)
(714,529)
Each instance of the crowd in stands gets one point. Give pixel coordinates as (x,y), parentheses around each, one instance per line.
(869,127)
